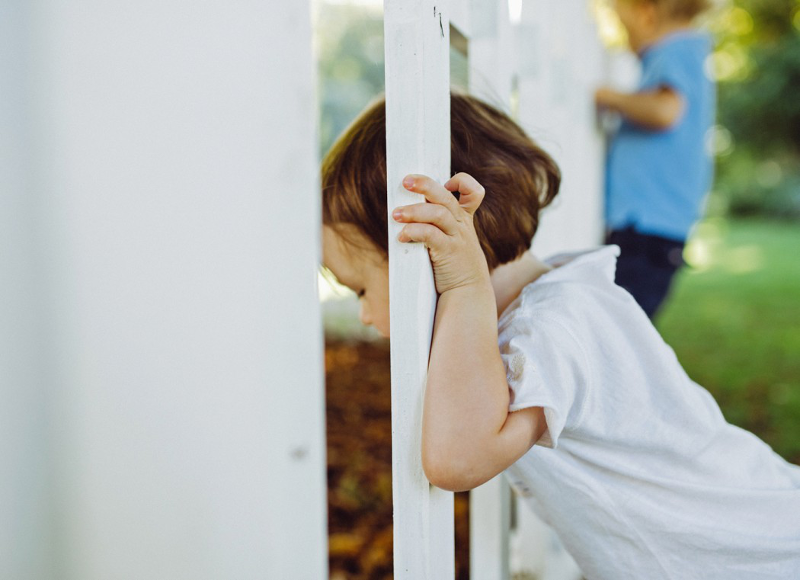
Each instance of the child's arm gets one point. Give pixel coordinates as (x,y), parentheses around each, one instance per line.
(468,434)
(658,109)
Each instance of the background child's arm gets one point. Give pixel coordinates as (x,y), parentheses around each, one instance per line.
(468,434)
(659,109)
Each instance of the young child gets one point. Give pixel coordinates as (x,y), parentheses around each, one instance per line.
(658,168)
(550,372)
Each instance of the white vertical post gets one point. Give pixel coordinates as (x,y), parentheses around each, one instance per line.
(489,525)
(560,67)
(418,141)
(490,78)
(174,157)
(546,40)
(538,551)
(25,497)
(491,59)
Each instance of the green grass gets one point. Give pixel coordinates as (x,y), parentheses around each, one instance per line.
(734,322)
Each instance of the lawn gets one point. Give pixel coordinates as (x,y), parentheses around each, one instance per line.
(734,322)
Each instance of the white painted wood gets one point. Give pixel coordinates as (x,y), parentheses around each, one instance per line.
(174,158)
(537,551)
(418,141)
(491,53)
(489,526)
(491,63)
(461,17)
(561,64)
(25,496)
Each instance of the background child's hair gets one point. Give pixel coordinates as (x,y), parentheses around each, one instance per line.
(681,9)
(519,177)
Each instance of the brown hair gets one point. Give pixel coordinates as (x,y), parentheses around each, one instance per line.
(519,177)
(681,9)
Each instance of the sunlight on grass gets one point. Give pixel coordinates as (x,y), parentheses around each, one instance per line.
(734,322)
(744,260)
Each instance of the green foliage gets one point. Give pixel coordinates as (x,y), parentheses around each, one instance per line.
(750,184)
(351,64)
(734,322)
(764,110)
(351,70)
(758,64)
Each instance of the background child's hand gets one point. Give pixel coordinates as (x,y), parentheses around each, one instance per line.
(444,224)
(606,98)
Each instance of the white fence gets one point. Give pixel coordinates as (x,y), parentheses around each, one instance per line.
(162,375)
(161,362)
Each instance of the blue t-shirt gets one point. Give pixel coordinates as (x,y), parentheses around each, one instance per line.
(657,180)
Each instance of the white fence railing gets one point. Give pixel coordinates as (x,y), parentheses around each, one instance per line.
(162,379)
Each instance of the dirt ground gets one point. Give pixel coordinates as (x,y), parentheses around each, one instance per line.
(359,465)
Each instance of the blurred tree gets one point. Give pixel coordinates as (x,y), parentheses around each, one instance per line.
(350,56)
(758,143)
(757,64)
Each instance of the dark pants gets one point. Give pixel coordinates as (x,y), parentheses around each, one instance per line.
(646,266)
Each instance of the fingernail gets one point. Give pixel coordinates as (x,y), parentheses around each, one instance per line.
(408,182)
(397,214)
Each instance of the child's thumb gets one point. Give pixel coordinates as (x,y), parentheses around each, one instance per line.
(470,192)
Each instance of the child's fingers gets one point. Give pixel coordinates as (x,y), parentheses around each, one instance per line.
(428,213)
(427,234)
(432,191)
(471,191)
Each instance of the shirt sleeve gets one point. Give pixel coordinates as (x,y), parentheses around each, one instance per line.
(669,71)
(546,367)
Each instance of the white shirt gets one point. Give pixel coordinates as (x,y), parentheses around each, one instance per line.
(638,471)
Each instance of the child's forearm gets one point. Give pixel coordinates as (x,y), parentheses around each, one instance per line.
(657,110)
(468,434)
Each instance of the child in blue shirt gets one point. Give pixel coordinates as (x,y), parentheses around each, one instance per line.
(658,167)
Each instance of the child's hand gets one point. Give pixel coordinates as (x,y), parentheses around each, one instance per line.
(444,225)
(606,98)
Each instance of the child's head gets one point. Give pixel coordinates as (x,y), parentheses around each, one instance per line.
(645,19)
(519,178)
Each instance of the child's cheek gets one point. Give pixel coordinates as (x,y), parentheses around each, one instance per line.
(385,316)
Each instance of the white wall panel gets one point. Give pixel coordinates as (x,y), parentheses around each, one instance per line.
(174,158)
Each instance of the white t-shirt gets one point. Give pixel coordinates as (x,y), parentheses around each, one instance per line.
(638,471)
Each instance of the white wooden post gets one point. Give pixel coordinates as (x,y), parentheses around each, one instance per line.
(26,507)
(418,141)
(170,176)
(491,57)
(561,64)
(491,70)
(489,527)
(537,550)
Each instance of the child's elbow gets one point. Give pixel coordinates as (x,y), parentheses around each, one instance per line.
(669,112)
(450,472)
(445,478)
(666,120)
